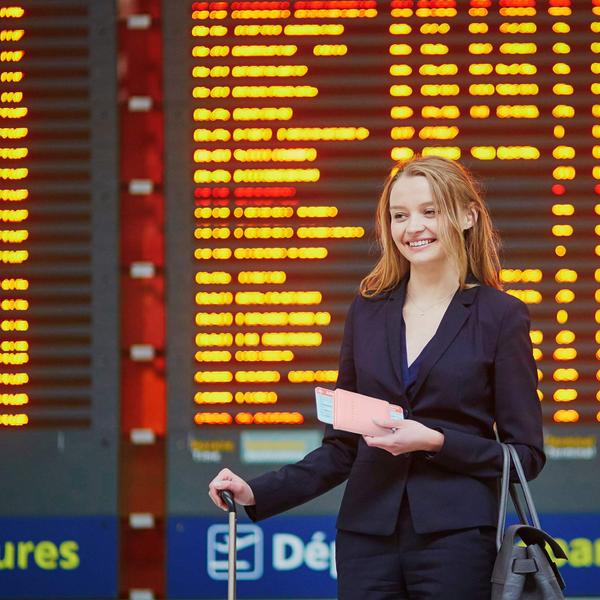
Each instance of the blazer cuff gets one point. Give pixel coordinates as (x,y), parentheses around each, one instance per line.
(450,451)
(251,512)
(267,497)
(431,455)
(469,454)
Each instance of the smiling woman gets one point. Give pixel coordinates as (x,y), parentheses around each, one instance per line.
(414,220)
(432,333)
(443,198)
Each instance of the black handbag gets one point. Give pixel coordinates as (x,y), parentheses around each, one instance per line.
(523,572)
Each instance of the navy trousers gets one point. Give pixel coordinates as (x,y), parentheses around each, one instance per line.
(451,565)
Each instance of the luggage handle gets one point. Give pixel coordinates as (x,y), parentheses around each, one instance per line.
(227,497)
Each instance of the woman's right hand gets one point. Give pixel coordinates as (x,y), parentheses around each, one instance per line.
(228,480)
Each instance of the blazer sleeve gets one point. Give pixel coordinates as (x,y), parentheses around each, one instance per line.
(323,468)
(517,410)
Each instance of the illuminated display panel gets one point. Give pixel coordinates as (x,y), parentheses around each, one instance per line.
(295,113)
(58,261)
(14,347)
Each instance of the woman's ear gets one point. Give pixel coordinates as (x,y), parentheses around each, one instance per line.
(470,217)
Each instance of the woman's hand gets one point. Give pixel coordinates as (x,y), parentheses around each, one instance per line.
(228,480)
(405,436)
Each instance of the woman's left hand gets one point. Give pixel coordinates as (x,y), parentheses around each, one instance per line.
(405,436)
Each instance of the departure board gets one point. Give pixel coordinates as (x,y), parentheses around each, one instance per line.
(284,118)
(59,346)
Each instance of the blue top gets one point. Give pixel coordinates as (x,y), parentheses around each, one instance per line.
(410,374)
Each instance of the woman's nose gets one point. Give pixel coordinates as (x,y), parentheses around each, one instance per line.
(414,223)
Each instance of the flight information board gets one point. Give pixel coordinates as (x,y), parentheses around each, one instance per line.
(59,348)
(283,119)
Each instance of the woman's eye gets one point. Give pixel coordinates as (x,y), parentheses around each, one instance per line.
(398,216)
(430,212)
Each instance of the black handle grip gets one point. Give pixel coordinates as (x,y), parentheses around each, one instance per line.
(227,497)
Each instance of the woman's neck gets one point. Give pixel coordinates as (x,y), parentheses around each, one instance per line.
(430,283)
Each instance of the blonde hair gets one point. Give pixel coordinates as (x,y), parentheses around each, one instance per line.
(454,191)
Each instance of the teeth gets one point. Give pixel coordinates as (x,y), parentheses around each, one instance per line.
(419,243)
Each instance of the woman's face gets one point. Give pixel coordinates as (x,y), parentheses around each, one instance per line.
(415,222)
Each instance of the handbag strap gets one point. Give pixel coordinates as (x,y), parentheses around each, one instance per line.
(514,496)
(535,520)
(503,496)
(509,455)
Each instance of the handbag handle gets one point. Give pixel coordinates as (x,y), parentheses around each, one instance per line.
(509,455)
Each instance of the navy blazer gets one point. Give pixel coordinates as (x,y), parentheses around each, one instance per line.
(477,371)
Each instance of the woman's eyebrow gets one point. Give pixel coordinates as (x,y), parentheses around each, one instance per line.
(399,206)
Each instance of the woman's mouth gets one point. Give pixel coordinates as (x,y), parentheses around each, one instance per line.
(420,243)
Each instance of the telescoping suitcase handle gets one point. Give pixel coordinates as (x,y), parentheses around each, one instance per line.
(227,497)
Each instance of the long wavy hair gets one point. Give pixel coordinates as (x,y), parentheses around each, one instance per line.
(454,191)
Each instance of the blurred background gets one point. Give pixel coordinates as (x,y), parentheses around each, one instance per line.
(186,205)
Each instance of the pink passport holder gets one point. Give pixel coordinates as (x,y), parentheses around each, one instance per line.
(355,413)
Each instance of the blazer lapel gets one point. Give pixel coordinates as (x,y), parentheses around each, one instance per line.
(452,322)
(393,322)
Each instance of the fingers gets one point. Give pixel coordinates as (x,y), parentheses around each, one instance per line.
(217,500)
(379,441)
(214,496)
(213,492)
(225,474)
(389,443)
(225,480)
(386,446)
(387,423)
